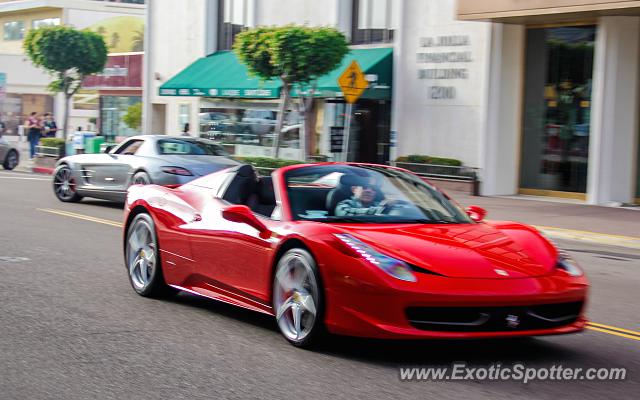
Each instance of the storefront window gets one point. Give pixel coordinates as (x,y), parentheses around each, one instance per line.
(557,108)
(183,117)
(112,111)
(248,126)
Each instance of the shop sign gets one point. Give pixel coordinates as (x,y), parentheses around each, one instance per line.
(337,135)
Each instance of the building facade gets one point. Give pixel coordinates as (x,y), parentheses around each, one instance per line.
(121,24)
(542,96)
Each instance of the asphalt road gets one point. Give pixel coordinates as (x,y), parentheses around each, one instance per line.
(72,328)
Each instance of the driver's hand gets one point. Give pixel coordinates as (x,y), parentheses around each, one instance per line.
(388,202)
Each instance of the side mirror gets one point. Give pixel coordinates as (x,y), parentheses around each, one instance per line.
(243,214)
(108,149)
(476,213)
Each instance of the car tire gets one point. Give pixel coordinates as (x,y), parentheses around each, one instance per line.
(11,160)
(142,258)
(298,299)
(64,185)
(141,178)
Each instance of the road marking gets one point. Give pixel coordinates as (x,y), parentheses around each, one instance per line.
(23,178)
(593,328)
(81,216)
(592,237)
(13,259)
(613,328)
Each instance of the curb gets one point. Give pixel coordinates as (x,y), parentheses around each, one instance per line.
(591,237)
(42,170)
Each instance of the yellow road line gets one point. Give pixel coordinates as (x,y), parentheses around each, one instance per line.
(81,216)
(593,328)
(603,326)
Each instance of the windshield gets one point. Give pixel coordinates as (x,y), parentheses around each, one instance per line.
(367,194)
(196,147)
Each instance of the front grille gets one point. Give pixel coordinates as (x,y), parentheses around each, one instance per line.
(492,319)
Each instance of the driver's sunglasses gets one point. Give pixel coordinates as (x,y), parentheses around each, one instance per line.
(369,187)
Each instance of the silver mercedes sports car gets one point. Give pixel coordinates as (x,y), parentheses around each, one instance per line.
(9,156)
(157,159)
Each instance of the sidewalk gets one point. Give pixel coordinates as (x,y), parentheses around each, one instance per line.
(25,165)
(564,220)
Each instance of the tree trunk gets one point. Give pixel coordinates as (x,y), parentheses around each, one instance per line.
(309,124)
(65,121)
(281,113)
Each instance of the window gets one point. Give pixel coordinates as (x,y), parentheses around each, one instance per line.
(130,148)
(366,194)
(38,23)
(183,117)
(248,126)
(13,30)
(372,21)
(190,147)
(231,21)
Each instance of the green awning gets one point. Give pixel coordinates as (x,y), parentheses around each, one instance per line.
(222,75)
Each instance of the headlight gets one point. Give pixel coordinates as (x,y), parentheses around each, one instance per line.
(568,264)
(394,267)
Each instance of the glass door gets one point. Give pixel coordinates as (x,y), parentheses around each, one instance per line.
(557,109)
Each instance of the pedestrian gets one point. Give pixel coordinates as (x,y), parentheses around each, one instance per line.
(34,131)
(185,130)
(2,126)
(50,127)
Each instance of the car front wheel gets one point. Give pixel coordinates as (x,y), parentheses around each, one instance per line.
(64,185)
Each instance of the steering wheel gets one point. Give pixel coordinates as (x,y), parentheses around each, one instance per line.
(395,205)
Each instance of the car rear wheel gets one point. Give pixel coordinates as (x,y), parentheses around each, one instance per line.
(141,178)
(64,185)
(297,298)
(11,161)
(143,259)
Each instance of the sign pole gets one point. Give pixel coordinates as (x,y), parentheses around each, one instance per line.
(347,130)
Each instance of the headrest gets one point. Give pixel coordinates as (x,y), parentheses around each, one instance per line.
(266,191)
(246,171)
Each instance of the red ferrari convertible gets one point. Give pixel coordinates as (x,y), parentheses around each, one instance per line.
(353,249)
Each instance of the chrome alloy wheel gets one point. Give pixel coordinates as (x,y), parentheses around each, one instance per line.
(141,254)
(64,185)
(295,298)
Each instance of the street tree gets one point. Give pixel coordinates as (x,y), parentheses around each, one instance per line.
(68,55)
(298,56)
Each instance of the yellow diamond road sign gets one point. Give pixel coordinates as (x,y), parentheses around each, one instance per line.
(352,82)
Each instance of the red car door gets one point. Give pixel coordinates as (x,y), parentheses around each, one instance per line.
(232,257)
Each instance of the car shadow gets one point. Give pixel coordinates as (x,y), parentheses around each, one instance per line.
(444,352)
(253,318)
(401,352)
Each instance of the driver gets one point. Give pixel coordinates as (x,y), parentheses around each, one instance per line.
(363,201)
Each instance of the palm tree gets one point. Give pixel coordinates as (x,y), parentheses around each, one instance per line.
(137,42)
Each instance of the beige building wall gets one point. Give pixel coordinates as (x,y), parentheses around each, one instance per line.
(27,17)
